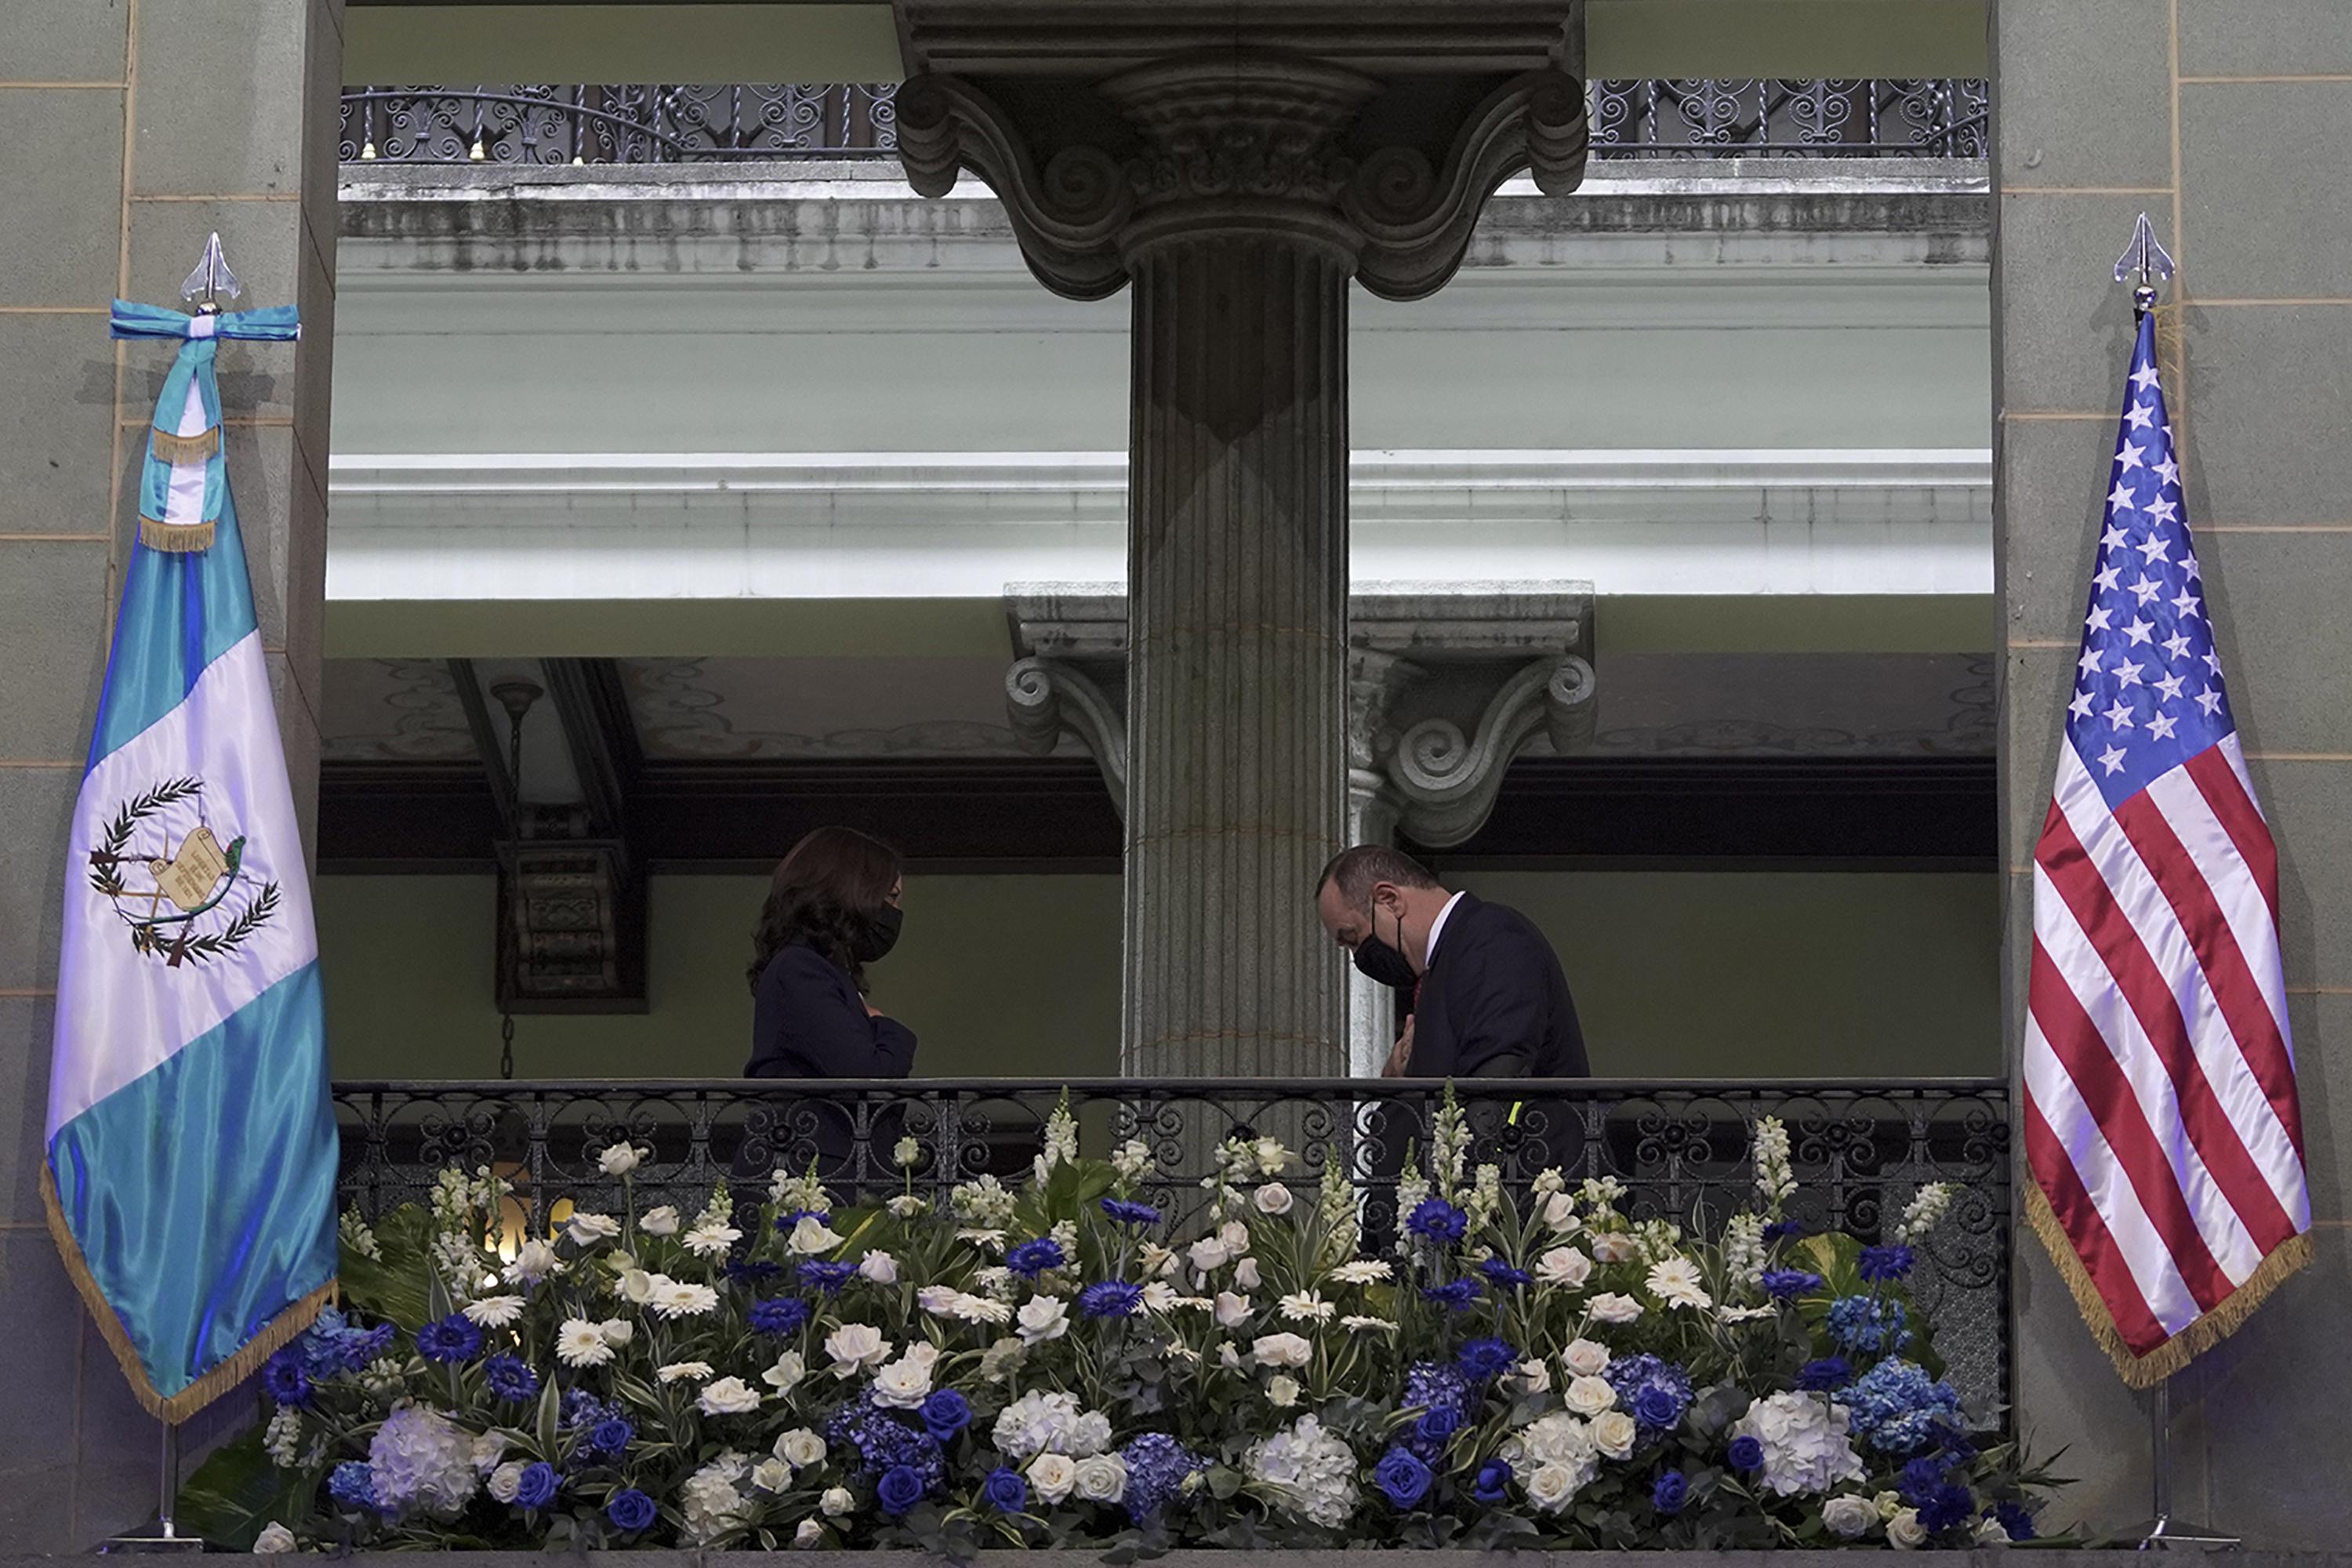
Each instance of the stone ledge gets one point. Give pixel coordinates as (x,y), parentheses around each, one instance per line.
(1348,1558)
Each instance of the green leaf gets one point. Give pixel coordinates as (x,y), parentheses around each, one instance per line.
(550,1410)
(238,1491)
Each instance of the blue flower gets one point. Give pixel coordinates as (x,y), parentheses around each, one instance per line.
(1503,1275)
(610,1436)
(353,1486)
(1157,1466)
(791,1217)
(1004,1491)
(1402,1476)
(356,1348)
(1443,1395)
(510,1379)
(1951,1505)
(1783,1230)
(1861,1326)
(1892,1261)
(1784,1284)
(1435,1219)
(1494,1483)
(1033,1257)
(900,1488)
(284,1377)
(1820,1376)
(580,1408)
(1143,1215)
(1655,1391)
(1745,1454)
(828,1278)
(450,1339)
(629,1509)
(753,1271)
(1484,1360)
(945,1414)
(1919,1478)
(779,1315)
(535,1487)
(1897,1408)
(1455,1295)
(2015,1520)
(1672,1490)
(884,1441)
(1435,1426)
(1111,1299)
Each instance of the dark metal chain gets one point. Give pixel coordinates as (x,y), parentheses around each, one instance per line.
(505,1045)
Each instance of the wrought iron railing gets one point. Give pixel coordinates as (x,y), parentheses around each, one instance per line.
(1682,1150)
(1848,118)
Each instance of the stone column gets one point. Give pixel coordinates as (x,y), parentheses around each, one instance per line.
(126,145)
(1239,182)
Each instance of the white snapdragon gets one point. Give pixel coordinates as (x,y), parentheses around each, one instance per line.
(1926,1211)
(1776,1181)
(1558,1455)
(1131,1159)
(983,1201)
(283,1440)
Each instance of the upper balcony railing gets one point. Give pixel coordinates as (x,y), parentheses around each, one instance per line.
(1850,117)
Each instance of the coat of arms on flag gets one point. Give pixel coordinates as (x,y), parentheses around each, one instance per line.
(191,1170)
(2161,1115)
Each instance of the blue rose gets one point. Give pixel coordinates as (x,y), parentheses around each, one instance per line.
(945,1414)
(1746,1453)
(1494,1483)
(1438,1423)
(1004,1491)
(1657,1408)
(1673,1490)
(630,1510)
(1404,1478)
(610,1435)
(900,1488)
(535,1487)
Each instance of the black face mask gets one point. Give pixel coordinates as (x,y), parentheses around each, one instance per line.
(880,935)
(1383,963)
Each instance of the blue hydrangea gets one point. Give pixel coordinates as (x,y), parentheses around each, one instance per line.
(1438,1391)
(882,1442)
(580,1408)
(1435,1219)
(1033,1257)
(353,1486)
(1157,1466)
(1654,1392)
(1863,1325)
(1121,1212)
(1111,1299)
(781,1315)
(511,1378)
(1892,1261)
(1897,1408)
(333,1345)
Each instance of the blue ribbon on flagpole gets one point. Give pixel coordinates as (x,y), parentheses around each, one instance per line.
(199,339)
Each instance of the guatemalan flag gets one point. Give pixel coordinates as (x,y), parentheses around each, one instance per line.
(191,1170)
(2161,1121)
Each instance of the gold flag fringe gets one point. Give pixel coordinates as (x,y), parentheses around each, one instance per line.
(193,448)
(175,538)
(172,1409)
(2148,1371)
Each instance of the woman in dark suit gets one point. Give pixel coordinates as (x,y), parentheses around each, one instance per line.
(832,910)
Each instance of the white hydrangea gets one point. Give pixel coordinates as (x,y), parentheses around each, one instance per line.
(1312,1471)
(422,1461)
(284,1438)
(1036,1423)
(1776,1182)
(1806,1449)
(1926,1211)
(713,1499)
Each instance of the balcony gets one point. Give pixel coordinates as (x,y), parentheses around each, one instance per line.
(1823,117)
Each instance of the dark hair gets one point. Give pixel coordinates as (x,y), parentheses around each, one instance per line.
(1358,870)
(825,892)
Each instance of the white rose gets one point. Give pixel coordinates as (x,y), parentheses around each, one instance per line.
(1904,1531)
(809,1533)
(636,1286)
(812,1236)
(534,1261)
(616,1333)
(1590,1395)
(1613,1308)
(1281,1391)
(1235,1236)
(1888,1505)
(937,1299)
(1208,1255)
(1565,1266)
(772,1475)
(586,1229)
(1552,1486)
(1615,1247)
(1531,1377)
(1231,1310)
(923,1352)
(274,1538)
(1245,1274)
(1282,1350)
(619,1160)
(1849,1517)
(879,1267)
(1102,1478)
(835,1502)
(786,1375)
(1041,1318)
(728,1396)
(1585,1359)
(904,1384)
(1228,1357)
(663,1221)
(1052,1476)
(1560,1212)
(799,1448)
(487,1451)
(1273,1198)
(855,1347)
(506,1481)
(1613,1434)
(1990,1532)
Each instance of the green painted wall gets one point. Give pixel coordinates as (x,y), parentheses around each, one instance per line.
(1683,974)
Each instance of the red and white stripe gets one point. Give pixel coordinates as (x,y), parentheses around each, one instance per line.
(2160,1113)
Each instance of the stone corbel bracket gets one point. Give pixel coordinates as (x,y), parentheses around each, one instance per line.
(1448,781)
(1045,698)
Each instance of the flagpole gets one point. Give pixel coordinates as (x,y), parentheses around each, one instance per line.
(162,1534)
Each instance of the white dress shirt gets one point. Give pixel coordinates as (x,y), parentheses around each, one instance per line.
(1436,927)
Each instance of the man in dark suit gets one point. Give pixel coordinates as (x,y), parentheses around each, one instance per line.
(1487,993)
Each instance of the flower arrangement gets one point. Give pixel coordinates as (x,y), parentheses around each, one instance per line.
(1051,1366)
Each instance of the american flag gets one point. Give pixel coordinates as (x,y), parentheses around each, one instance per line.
(2161,1122)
